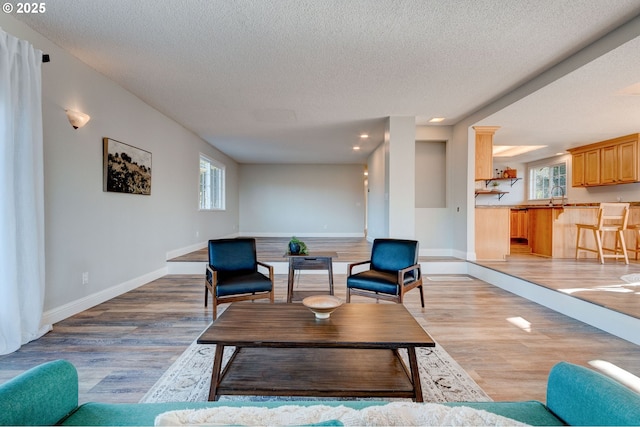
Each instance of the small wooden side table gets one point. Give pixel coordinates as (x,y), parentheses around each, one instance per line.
(310,261)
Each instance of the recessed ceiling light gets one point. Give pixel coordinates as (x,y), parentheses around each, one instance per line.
(436,120)
(356,148)
(364,135)
(633,90)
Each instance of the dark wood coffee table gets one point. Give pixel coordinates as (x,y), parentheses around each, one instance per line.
(283,350)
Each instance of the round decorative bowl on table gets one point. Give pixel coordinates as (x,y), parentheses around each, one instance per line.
(322,305)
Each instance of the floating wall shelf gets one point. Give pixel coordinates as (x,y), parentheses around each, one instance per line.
(511,180)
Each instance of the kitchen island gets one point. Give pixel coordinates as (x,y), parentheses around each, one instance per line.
(552,230)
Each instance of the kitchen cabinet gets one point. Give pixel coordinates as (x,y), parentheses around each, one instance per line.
(577,173)
(484,151)
(628,161)
(592,167)
(541,232)
(519,224)
(586,168)
(610,162)
(492,233)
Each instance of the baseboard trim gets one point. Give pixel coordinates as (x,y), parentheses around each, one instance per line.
(195,247)
(436,252)
(70,309)
(327,235)
(186,250)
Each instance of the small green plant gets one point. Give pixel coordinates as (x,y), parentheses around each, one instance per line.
(297,246)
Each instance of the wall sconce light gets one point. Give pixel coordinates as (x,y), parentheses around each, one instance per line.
(77,119)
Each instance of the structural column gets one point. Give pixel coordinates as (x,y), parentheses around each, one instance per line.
(401,177)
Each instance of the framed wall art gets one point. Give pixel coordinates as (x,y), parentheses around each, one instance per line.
(126,169)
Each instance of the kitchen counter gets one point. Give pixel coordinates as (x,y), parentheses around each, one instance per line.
(556,205)
(551,230)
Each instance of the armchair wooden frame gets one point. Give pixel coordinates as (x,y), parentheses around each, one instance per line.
(216,300)
(402,288)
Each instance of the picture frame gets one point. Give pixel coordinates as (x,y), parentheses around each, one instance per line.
(126,169)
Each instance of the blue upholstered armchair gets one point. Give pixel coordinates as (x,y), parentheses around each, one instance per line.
(394,270)
(232,273)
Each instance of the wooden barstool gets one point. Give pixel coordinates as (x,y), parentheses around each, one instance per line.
(612,217)
(636,231)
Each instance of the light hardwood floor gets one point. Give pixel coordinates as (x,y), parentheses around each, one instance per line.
(586,279)
(506,343)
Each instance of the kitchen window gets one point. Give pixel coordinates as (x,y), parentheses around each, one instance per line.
(212,183)
(546,180)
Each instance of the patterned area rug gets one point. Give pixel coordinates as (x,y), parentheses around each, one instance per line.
(188,379)
(631,278)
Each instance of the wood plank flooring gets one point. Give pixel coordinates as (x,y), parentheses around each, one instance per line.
(506,343)
(272,249)
(586,279)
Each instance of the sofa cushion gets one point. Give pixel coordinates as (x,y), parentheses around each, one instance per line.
(376,281)
(530,412)
(581,396)
(40,396)
(93,414)
(391,414)
(136,414)
(243,284)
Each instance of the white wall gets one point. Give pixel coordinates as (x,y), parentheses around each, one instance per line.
(302,200)
(378,196)
(121,240)
(434,225)
(431,174)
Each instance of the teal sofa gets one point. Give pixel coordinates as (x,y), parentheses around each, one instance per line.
(48,395)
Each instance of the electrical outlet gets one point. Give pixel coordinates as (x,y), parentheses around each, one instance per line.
(85,278)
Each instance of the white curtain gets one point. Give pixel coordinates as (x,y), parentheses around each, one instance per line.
(21,194)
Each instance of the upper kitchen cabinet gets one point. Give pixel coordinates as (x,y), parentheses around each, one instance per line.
(610,162)
(586,168)
(484,151)
(628,160)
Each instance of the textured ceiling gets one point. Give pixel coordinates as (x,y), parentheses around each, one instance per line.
(298,81)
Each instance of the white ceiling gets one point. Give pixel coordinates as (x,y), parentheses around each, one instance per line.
(587,105)
(297,81)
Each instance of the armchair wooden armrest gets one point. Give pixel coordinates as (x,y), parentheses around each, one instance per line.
(268,267)
(401,273)
(214,275)
(355,264)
